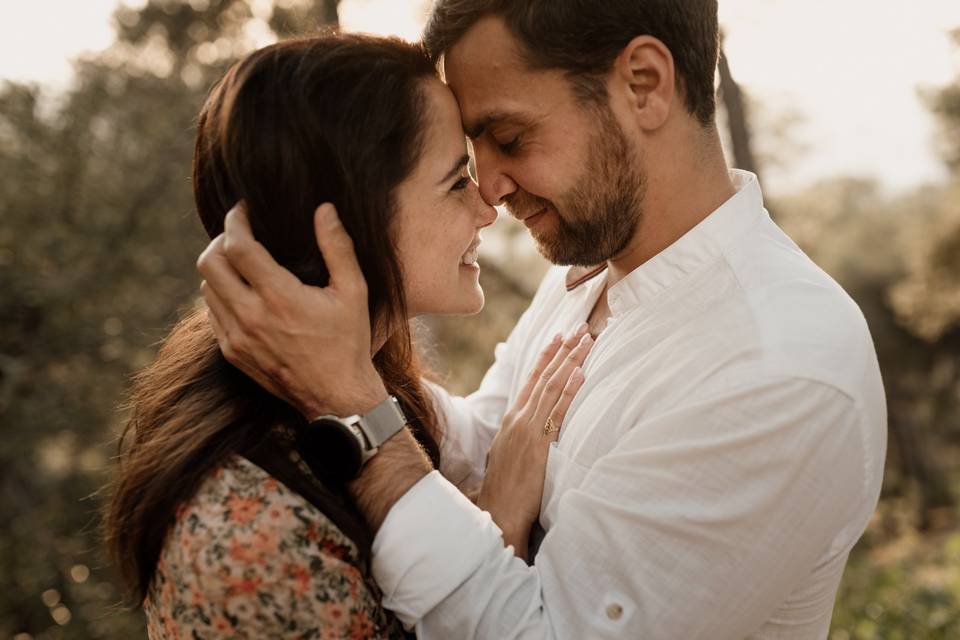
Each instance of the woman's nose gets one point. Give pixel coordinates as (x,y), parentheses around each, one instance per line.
(485,214)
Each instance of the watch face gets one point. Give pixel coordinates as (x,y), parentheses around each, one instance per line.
(330,449)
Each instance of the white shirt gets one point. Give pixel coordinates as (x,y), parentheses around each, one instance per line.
(715,469)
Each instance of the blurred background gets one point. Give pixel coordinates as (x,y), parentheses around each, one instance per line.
(849,112)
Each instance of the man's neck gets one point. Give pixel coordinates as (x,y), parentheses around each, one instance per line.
(675,202)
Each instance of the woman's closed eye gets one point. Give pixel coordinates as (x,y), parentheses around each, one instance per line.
(461,184)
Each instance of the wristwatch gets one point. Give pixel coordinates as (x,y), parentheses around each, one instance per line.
(336,448)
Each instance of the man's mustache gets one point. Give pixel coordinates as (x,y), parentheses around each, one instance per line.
(522,204)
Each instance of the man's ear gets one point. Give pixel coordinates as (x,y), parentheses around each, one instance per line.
(644,74)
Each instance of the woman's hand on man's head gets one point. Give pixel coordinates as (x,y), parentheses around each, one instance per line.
(307,345)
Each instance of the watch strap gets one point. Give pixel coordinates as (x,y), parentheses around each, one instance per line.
(383,422)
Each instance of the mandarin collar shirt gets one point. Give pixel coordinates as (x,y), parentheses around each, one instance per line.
(722,457)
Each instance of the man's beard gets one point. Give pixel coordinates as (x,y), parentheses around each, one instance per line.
(597,217)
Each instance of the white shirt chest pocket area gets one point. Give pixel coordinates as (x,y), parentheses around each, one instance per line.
(563,474)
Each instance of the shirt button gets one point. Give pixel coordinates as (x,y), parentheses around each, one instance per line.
(614,611)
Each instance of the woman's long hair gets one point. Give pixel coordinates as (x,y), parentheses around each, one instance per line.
(335,118)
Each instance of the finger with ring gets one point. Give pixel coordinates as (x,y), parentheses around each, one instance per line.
(550,428)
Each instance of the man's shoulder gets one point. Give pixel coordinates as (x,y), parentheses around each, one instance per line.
(802,319)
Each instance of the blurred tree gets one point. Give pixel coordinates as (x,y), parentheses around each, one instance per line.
(735,105)
(97,249)
(857,235)
(927,298)
(900,259)
(291,16)
(946,104)
(735,113)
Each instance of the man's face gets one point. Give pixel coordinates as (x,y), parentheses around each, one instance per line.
(564,168)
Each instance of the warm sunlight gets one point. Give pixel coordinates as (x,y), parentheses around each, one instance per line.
(700,378)
(847,76)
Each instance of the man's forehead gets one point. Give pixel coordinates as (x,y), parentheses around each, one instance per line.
(485,52)
(480,105)
(486,99)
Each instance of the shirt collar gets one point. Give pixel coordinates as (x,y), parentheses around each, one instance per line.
(697,247)
(576,276)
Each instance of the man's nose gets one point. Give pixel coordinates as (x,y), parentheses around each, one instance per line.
(495,184)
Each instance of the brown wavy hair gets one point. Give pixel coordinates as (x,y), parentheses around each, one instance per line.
(334,118)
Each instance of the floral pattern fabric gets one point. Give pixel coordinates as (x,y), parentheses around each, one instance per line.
(249,558)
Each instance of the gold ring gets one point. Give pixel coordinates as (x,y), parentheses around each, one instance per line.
(550,428)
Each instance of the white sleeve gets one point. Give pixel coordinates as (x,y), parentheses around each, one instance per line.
(696,525)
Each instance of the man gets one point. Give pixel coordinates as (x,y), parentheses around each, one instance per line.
(727,447)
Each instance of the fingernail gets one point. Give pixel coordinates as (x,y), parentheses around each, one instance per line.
(587,339)
(577,375)
(582,329)
(327,215)
(557,338)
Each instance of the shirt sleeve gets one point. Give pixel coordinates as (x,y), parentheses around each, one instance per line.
(696,525)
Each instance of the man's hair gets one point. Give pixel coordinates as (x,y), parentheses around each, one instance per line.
(584,37)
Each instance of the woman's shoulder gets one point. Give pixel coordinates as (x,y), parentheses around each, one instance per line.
(241,503)
(249,551)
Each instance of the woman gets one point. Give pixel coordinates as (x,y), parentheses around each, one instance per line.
(215,522)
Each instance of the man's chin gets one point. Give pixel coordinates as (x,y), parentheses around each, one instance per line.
(565,256)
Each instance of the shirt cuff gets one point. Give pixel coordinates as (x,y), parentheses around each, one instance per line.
(431,541)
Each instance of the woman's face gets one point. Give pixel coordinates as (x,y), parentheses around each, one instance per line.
(440,216)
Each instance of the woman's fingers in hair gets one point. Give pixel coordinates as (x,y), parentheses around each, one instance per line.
(336,246)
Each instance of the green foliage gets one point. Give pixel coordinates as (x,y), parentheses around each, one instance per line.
(900,584)
(97,252)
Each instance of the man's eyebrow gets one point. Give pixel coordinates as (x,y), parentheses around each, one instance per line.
(457,168)
(476,130)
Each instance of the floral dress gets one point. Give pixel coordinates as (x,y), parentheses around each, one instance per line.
(249,558)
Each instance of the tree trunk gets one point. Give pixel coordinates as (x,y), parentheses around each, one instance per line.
(736,108)
(331,12)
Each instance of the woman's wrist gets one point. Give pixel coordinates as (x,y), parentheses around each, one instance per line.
(515,528)
(517,536)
